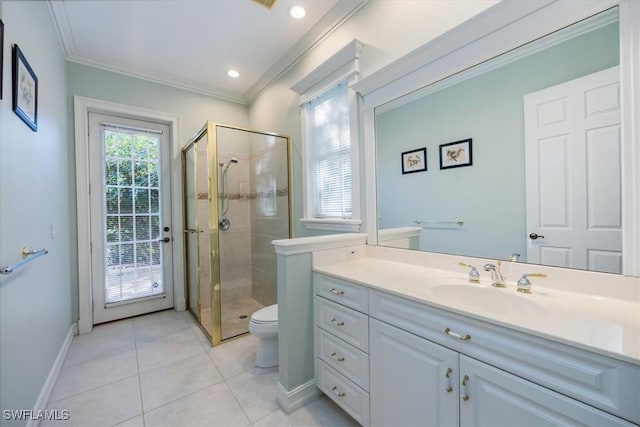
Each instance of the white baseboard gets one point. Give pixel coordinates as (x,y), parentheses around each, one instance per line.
(47,388)
(295,399)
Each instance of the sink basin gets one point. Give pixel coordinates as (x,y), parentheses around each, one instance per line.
(487,300)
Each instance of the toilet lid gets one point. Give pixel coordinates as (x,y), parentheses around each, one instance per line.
(266,314)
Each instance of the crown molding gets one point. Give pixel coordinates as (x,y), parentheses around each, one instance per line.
(337,16)
(340,13)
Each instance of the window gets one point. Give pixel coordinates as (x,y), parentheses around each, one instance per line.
(330,144)
(329,153)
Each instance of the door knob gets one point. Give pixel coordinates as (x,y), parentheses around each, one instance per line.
(165,240)
(534,236)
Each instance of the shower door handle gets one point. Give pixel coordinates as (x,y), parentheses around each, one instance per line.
(192,230)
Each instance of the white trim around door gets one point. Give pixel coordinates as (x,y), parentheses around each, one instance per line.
(82,107)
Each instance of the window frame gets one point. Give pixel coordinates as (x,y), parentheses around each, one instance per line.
(340,67)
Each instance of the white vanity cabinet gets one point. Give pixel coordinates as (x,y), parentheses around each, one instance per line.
(428,366)
(342,344)
(417,382)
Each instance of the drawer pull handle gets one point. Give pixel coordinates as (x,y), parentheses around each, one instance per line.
(335,322)
(334,356)
(448,331)
(447,374)
(337,291)
(465,396)
(339,394)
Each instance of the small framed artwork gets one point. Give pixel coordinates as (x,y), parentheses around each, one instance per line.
(414,161)
(25,90)
(456,154)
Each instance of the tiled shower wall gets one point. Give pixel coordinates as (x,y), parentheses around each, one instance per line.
(257,194)
(235,243)
(269,186)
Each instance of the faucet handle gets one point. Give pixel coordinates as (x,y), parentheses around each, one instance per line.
(474,276)
(524,284)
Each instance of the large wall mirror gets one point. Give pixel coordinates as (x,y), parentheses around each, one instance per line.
(516,158)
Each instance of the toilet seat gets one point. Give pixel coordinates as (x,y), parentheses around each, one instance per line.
(265,315)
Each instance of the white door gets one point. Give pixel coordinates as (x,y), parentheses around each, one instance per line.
(131,245)
(573,176)
(413,381)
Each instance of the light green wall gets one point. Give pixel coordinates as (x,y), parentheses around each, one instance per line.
(489,195)
(35,193)
(192,108)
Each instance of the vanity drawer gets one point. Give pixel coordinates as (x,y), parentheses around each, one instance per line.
(350,397)
(345,293)
(348,325)
(609,384)
(343,357)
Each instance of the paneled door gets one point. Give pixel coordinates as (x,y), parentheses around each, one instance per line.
(413,381)
(573,176)
(131,245)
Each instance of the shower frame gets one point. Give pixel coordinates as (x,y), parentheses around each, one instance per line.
(210,130)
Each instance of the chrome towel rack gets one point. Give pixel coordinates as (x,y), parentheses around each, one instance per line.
(458,222)
(28,256)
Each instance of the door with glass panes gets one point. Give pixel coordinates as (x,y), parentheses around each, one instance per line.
(131,245)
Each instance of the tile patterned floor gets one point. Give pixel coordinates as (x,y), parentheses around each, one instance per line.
(159,370)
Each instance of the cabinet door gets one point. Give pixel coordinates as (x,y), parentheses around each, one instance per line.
(413,382)
(492,397)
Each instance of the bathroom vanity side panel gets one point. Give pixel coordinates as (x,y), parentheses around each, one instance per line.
(295,320)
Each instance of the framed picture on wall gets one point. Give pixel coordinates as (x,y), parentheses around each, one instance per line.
(25,90)
(456,154)
(414,161)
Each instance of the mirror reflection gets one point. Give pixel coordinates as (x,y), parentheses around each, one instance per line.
(522,156)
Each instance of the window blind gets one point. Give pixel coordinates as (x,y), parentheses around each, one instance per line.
(329,137)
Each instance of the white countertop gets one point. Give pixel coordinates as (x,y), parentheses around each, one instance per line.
(610,327)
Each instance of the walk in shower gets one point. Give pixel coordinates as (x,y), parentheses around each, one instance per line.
(236,201)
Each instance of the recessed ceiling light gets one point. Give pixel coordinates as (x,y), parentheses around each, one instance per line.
(233,73)
(297,12)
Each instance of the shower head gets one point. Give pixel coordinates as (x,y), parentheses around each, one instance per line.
(225,166)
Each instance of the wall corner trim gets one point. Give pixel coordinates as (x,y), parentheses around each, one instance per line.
(290,401)
(47,387)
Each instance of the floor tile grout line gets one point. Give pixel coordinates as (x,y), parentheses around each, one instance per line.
(93,389)
(238,402)
(135,342)
(191,393)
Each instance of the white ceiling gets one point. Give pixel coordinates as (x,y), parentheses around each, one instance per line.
(191,44)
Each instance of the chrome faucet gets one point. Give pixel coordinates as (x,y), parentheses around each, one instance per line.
(524,284)
(497,279)
(474,276)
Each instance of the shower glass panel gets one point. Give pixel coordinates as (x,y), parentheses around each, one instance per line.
(236,203)
(253,200)
(201,240)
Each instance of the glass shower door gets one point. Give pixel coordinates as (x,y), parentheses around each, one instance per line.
(202,277)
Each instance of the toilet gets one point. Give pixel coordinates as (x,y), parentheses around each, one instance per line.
(264,325)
